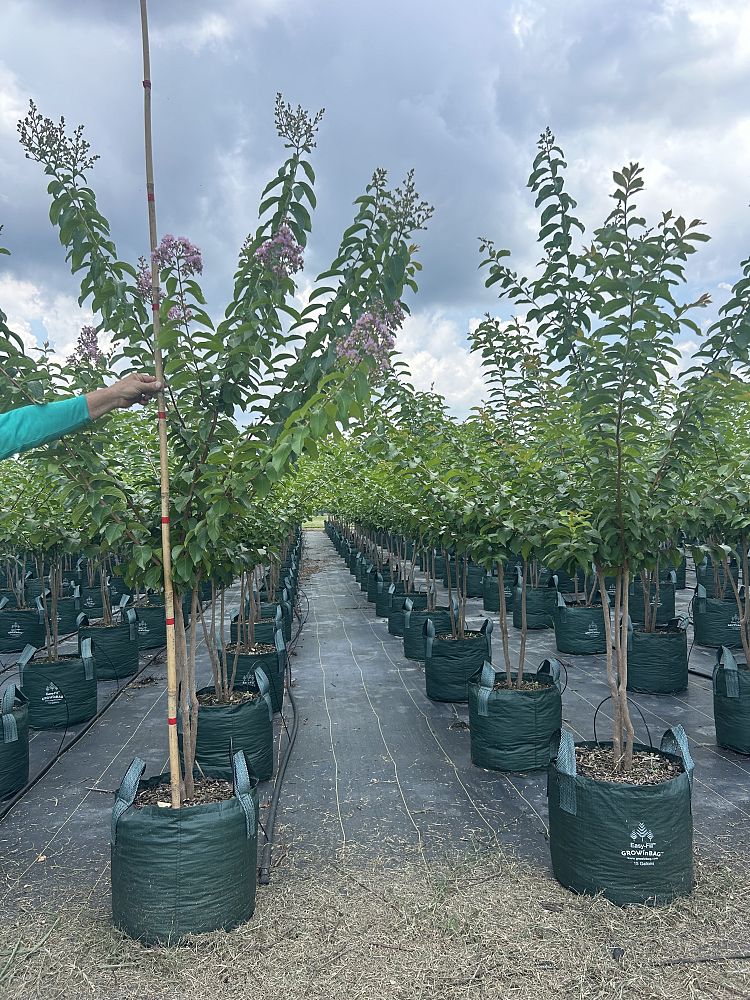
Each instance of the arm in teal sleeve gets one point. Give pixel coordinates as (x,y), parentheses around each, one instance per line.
(30,426)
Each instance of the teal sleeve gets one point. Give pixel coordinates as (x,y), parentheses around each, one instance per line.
(30,426)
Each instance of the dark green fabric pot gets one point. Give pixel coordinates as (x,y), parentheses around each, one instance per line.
(364,571)
(579,630)
(273,665)
(716,622)
(90,602)
(373,577)
(632,843)
(414,636)
(12,600)
(513,730)
(152,627)
(704,575)
(355,557)
(491,595)
(265,630)
(67,615)
(223,728)
(474,577)
(658,661)
(183,871)
(115,649)
(14,741)
(396,614)
(385,595)
(60,694)
(540,607)
(20,628)
(566,582)
(666,609)
(731,702)
(450,663)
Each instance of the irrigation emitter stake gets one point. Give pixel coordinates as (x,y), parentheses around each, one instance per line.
(174,757)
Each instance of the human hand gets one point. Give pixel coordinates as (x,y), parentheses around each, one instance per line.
(126,392)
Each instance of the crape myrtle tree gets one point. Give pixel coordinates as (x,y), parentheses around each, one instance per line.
(294,372)
(608,316)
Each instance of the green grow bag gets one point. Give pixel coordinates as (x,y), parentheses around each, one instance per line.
(540,607)
(152,626)
(658,661)
(62,693)
(704,575)
(272,663)
(514,730)
(183,871)
(224,728)
(8,598)
(265,629)
(666,609)
(353,561)
(632,843)
(67,614)
(715,622)
(450,663)
(567,582)
(414,634)
(14,741)
(364,571)
(89,601)
(373,578)
(579,630)
(491,595)
(396,614)
(115,648)
(731,702)
(386,592)
(21,627)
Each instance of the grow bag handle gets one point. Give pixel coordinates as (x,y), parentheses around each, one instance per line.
(675,741)
(408,605)
(380,583)
(125,795)
(40,609)
(280,643)
(551,667)
(428,631)
(264,687)
(87,655)
(23,659)
(561,600)
(486,631)
(82,619)
(700,596)
(124,598)
(10,729)
(3,602)
(486,685)
(566,769)
(131,616)
(725,659)
(77,597)
(243,791)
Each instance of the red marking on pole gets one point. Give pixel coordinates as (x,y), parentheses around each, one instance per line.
(165,520)
(170,621)
(155,306)
(161,415)
(151,196)
(172,722)
(147,84)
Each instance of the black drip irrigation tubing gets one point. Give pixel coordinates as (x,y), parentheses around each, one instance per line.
(11,803)
(264,869)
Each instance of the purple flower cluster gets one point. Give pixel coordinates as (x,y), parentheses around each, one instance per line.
(87,348)
(143,280)
(180,314)
(179,252)
(281,254)
(372,337)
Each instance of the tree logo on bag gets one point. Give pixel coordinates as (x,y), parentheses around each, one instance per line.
(593,629)
(89,602)
(734,622)
(143,627)
(52,695)
(642,848)
(15,630)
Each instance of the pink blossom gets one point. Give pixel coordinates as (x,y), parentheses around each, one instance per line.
(281,254)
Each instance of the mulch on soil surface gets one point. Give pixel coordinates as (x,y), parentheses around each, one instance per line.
(207,790)
(648,768)
(211,700)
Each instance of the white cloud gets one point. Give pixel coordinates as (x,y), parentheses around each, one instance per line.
(35,316)
(436,349)
(209,31)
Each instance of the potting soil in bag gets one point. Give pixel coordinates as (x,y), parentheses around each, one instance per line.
(14,741)
(731,686)
(633,843)
(513,730)
(183,871)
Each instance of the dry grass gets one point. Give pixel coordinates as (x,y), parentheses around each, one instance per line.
(364,928)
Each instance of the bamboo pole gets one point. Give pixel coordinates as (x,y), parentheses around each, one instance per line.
(174,756)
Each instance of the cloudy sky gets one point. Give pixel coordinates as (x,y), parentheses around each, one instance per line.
(458,91)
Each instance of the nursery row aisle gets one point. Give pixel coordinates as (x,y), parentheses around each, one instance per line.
(377,764)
